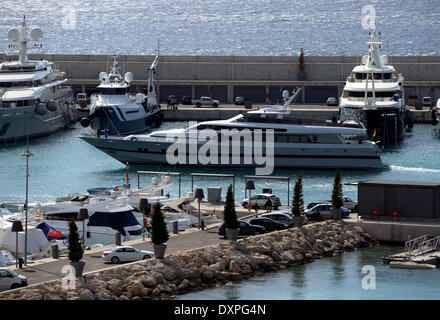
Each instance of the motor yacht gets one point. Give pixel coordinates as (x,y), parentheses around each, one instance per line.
(115,111)
(34,97)
(271,133)
(373,95)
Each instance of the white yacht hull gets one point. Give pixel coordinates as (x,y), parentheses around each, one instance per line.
(93,234)
(353,156)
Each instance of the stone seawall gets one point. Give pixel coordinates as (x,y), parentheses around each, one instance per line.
(186,271)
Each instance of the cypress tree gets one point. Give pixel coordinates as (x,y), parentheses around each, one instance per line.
(74,246)
(159,231)
(298,201)
(229,214)
(337,191)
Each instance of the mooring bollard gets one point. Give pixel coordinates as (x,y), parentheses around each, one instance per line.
(175,227)
(118,238)
(55,252)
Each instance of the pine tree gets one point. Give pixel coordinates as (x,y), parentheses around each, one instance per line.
(337,191)
(229,214)
(159,231)
(298,201)
(74,246)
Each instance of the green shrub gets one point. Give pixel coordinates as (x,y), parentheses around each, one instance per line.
(229,214)
(74,245)
(159,230)
(337,200)
(298,201)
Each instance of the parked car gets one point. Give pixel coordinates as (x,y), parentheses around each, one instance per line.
(186,100)
(261,199)
(323,211)
(332,101)
(245,229)
(427,101)
(81,98)
(347,203)
(126,254)
(280,217)
(9,279)
(206,101)
(239,100)
(268,224)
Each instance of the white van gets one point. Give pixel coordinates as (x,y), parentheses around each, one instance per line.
(9,279)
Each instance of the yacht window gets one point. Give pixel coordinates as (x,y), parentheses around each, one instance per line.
(329,139)
(361,94)
(387,76)
(135,232)
(377,76)
(360,76)
(281,138)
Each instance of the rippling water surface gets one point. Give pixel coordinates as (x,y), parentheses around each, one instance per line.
(224,27)
(334,278)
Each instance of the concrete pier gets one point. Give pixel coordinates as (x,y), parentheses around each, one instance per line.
(396,231)
(191,113)
(260,79)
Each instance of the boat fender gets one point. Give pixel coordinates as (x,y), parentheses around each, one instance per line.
(52,105)
(409,118)
(434,117)
(41,109)
(85,122)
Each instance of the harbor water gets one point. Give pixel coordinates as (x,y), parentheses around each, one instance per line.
(63,164)
(223,27)
(334,278)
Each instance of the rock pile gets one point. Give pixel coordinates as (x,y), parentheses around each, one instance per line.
(186,271)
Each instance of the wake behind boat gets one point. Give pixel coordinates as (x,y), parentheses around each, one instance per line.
(208,143)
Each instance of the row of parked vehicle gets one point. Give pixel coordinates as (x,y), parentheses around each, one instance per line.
(267,222)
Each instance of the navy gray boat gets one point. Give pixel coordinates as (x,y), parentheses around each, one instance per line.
(34,99)
(296,143)
(115,111)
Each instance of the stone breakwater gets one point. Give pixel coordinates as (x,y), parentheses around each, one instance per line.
(186,271)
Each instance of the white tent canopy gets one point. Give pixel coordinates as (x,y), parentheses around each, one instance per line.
(36,239)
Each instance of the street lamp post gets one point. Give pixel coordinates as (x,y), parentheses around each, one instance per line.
(199,195)
(27,154)
(17,227)
(250,186)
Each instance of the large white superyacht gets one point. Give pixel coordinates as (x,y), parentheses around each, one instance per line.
(295,143)
(373,95)
(34,99)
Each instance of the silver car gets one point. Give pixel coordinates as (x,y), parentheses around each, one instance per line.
(9,279)
(126,254)
(285,218)
(260,200)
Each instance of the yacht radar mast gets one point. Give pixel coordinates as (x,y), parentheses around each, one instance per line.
(21,41)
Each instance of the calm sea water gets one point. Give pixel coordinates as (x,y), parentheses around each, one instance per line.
(333,278)
(63,164)
(224,27)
